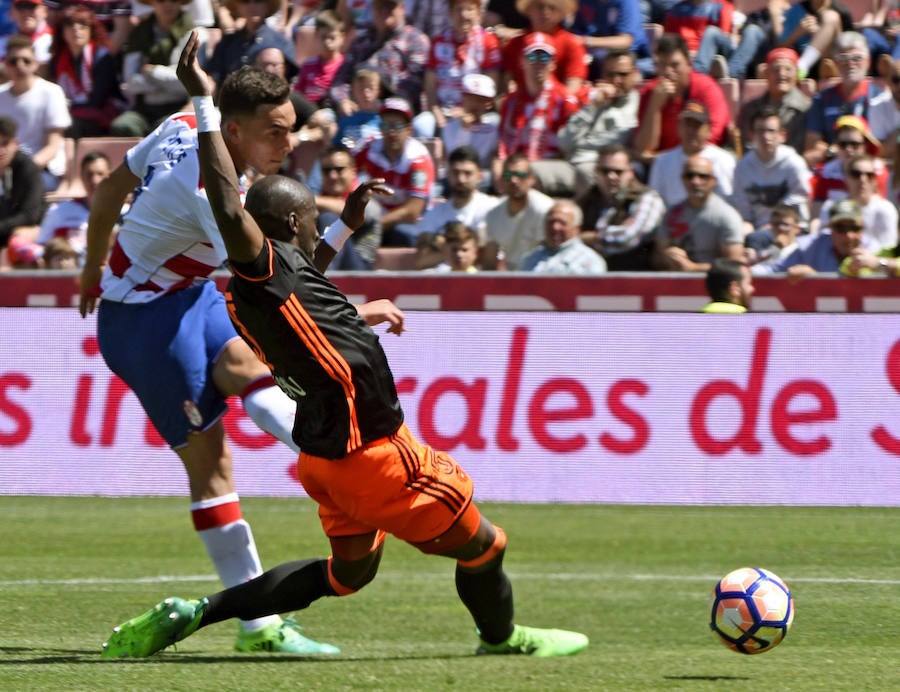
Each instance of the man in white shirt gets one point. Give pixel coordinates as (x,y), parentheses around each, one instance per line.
(465,203)
(694,131)
(39,107)
(516,224)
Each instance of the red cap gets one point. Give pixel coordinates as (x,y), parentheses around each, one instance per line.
(538,41)
(782,54)
(397,105)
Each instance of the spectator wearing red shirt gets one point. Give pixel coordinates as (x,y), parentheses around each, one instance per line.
(546,17)
(406,166)
(663,98)
(689,18)
(531,117)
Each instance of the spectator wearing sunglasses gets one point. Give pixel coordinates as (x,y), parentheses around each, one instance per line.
(879,215)
(531,117)
(39,109)
(702,227)
(829,181)
(28,18)
(516,224)
(694,132)
(827,251)
(855,94)
(405,163)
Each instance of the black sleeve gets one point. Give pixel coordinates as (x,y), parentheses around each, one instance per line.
(259,268)
(27,197)
(106,82)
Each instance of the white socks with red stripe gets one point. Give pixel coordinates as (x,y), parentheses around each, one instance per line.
(229,542)
(271,409)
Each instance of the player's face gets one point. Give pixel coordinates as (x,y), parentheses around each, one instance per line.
(613,173)
(263,140)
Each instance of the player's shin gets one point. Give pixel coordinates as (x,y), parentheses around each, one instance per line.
(486,591)
(285,588)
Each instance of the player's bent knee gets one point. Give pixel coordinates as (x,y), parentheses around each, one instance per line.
(348,577)
(492,554)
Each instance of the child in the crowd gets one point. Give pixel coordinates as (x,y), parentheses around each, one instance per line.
(317,73)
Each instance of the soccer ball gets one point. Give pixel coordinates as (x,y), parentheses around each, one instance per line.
(751,610)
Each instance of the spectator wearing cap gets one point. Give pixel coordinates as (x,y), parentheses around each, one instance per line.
(879,215)
(855,94)
(476,126)
(702,227)
(828,181)
(606,26)
(395,49)
(608,117)
(693,127)
(783,93)
(546,17)
(234,50)
(532,115)
(148,68)
(87,72)
(464,48)
(406,165)
(39,108)
(826,251)
(769,174)
(22,195)
(663,98)
(29,19)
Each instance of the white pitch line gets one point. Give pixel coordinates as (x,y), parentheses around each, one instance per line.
(418,576)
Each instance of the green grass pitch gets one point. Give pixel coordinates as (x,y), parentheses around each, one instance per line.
(635,579)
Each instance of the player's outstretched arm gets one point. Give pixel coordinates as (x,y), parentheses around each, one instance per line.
(382,310)
(105,210)
(243,238)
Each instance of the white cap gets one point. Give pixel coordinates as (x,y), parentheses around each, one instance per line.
(479,84)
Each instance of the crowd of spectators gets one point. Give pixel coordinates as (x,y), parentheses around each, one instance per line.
(554,136)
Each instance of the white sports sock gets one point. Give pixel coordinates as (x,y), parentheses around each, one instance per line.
(233,552)
(809,58)
(273,411)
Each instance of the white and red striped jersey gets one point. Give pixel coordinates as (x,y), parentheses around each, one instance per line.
(69,220)
(168,238)
(412,175)
(451,61)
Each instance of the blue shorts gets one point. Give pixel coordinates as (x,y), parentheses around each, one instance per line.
(164,351)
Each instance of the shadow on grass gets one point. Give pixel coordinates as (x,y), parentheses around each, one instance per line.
(39,657)
(710,678)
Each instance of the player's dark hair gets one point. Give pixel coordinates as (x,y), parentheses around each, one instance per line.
(722,272)
(8,126)
(672,43)
(462,154)
(244,90)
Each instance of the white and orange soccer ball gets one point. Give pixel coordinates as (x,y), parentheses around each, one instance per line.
(751,610)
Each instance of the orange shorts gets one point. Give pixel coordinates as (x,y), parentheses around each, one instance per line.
(397,485)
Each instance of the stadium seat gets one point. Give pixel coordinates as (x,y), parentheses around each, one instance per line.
(731,88)
(395,259)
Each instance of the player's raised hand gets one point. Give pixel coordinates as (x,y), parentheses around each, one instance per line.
(354,213)
(190,74)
